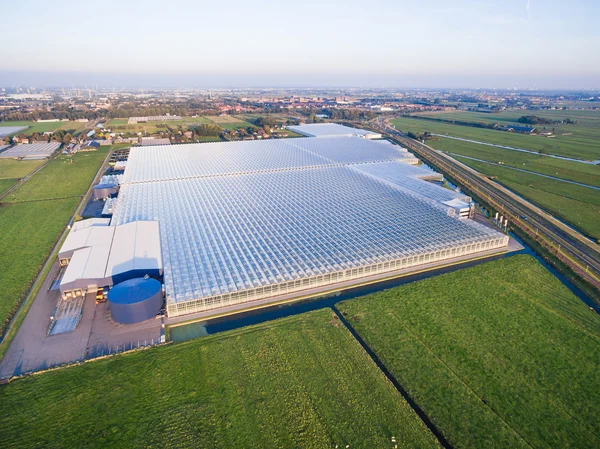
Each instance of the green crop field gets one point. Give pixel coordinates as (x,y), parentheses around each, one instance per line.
(301,381)
(577,205)
(65,176)
(498,355)
(27,234)
(41,127)
(582,142)
(12,168)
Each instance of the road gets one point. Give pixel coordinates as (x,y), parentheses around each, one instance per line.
(580,253)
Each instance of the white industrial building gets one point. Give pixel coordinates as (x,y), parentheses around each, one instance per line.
(241,221)
(96,254)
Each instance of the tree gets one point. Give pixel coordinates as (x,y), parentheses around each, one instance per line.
(67,138)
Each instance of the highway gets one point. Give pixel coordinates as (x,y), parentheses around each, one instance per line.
(573,249)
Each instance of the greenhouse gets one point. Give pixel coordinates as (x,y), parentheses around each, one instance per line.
(241,221)
(332,130)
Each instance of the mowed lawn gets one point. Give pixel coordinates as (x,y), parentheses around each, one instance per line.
(499,355)
(301,381)
(27,233)
(65,176)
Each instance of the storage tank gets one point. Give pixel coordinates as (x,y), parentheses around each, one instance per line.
(135,300)
(103,191)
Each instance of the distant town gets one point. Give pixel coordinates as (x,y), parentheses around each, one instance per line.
(137,115)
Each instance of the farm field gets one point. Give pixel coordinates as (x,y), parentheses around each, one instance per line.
(224,121)
(301,381)
(572,171)
(497,355)
(6,184)
(41,127)
(12,168)
(573,204)
(63,177)
(577,205)
(588,119)
(581,144)
(120,125)
(280,118)
(27,233)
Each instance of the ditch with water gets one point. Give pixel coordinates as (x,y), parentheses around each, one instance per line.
(202,328)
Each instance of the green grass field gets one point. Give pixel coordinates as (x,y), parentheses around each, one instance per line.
(121,126)
(116,121)
(572,171)
(41,127)
(301,381)
(498,355)
(63,177)
(209,138)
(12,168)
(577,205)
(6,184)
(33,216)
(27,234)
(582,143)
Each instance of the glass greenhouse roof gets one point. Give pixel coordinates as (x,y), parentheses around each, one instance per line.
(226,158)
(412,179)
(243,215)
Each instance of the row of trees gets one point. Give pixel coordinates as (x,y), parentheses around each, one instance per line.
(535,120)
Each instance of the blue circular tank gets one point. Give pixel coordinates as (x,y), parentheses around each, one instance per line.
(135,300)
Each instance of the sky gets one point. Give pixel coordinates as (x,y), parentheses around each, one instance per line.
(307,43)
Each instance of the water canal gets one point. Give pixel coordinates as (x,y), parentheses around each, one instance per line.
(202,328)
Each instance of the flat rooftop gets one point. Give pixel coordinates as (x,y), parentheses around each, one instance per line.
(241,221)
(331,130)
(8,130)
(31,150)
